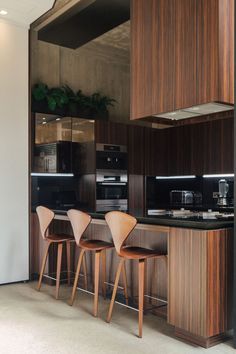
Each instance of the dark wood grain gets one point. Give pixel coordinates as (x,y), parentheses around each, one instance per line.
(152,70)
(136,150)
(156,152)
(182,54)
(207,50)
(136,197)
(226,51)
(107,132)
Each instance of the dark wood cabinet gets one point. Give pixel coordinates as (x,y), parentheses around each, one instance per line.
(182,54)
(156,151)
(107,132)
(136,150)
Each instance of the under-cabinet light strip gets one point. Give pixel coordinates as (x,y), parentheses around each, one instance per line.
(219,175)
(35,174)
(176,177)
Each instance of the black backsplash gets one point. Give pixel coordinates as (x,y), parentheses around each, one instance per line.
(55,192)
(158,190)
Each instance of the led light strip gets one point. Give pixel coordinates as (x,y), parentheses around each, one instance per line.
(176,177)
(35,174)
(219,175)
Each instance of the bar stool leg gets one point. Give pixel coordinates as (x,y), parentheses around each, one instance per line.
(96,282)
(43,265)
(141,267)
(115,289)
(125,284)
(85,272)
(68,249)
(76,277)
(104,274)
(59,256)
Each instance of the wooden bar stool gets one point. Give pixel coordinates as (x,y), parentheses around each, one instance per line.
(121,225)
(46,216)
(80,221)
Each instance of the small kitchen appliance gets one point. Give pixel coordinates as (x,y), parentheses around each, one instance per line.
(223,191)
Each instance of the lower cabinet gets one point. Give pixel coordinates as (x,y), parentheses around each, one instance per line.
(200,284)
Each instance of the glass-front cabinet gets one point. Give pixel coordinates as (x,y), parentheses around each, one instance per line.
(61,144)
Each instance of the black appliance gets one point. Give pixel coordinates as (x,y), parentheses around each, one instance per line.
(111,157)
(111,191)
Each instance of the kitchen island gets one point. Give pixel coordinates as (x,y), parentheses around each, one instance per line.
(197,282)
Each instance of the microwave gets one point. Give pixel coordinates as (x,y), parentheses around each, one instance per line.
(182,197)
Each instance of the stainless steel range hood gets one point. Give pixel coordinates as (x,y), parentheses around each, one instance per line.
(196,111)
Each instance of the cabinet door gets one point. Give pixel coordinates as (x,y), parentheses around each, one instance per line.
(136,150)
(152,57)
(111,133)
(179,153)
(156,152)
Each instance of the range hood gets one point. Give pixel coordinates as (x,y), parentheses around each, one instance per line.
(196,111)
(84,21)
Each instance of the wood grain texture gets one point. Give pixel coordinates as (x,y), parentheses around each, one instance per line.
(184,57)
(207,51)
(154,238)
(182,54)
(226,51)
(111,133)
(136,197)
(200,291)
(152,70)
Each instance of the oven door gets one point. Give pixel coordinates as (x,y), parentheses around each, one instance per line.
(112,190)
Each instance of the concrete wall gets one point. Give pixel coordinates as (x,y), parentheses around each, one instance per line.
(13,153)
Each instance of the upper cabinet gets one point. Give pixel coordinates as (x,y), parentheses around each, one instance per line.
(181,54)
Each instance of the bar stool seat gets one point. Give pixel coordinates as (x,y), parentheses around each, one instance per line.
(45,217)
(59,238)
(95,245)
(79,222)
(121,225)
(131,252)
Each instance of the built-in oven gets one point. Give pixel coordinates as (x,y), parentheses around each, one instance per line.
(111,157)
(111,191)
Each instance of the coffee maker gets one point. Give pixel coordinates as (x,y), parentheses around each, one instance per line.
(223,190)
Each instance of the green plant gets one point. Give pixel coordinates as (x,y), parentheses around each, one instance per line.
(99,103)
(40,91)
(65,97)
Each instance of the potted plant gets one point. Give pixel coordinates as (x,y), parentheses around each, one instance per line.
(47,100)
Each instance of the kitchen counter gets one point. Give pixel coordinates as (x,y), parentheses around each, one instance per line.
(168,221)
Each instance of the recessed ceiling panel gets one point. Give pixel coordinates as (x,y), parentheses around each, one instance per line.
(85,21)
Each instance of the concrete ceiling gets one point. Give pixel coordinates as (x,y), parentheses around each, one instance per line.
(24,12)
(118,37)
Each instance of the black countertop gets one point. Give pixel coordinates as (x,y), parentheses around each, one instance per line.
(169,221)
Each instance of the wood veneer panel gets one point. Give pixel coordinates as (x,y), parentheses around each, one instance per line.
(111,133)
(226,51)
(200,284)
(185,53)
(152,69)
(207,51)
(136,195)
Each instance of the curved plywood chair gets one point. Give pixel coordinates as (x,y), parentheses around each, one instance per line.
(79,222)
(121,225)
(45,217)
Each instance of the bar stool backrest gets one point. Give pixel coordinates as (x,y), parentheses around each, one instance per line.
(121,225)
(45,216)
(79,222)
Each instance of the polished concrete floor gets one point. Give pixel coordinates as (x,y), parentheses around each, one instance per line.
(34,322)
